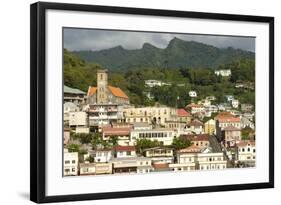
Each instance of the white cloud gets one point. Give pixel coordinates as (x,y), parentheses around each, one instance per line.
(92,39)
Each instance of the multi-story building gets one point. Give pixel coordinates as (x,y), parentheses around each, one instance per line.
(195,108)
(231,135)
(70,163)
(201,158)
(200,140)
(163,135)
(131,165)
(73,95)
(246,153)
(152,115)
(103,155)
(159,154)
(121,133)
(183,116)
(125,151)
(196,126)
(223,121)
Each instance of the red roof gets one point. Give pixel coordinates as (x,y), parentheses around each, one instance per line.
(229,119)
(125,148)
(114,90)
(160,166)
(199,137)
(191,149)
(196,123)
(183,113)
(245,143)
(111,131)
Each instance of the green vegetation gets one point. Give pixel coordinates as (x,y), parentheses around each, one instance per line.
(142,144)
(181,78)
(247,133)
(179,143)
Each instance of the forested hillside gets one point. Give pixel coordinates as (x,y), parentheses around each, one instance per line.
(81,74)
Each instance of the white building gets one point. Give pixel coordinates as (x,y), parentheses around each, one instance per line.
(78,118)
(164,135)
(195,157)
(103,155)
(159,154)
(235,103)
(70,160)
(192,94)
(246,151)
(223,72)
(87,168)
(131,165)
(154,83)
(125,151)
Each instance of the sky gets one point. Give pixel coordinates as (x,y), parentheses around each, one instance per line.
(93,39)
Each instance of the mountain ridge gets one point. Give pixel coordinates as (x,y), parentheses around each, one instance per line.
(178,53)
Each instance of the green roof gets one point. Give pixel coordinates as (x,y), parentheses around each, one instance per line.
(72,90)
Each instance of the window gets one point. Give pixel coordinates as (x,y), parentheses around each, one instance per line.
(73,169)
(67,162)
(248,149)
(73,161)
(101,76)
(128,153)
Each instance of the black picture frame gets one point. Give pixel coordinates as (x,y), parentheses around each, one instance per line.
(38,101)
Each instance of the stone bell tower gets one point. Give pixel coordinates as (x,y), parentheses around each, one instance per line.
(102,89)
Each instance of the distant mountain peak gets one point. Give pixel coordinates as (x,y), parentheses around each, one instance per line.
(148,46)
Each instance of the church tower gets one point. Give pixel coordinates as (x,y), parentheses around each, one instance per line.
(102,89)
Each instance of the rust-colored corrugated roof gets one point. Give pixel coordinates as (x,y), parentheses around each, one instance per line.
(194,137)
(91,91)
(183,113)
(111,131)
(114,90)
(196,122)
(125,148)
(229,119)
(117,92)
(245,143)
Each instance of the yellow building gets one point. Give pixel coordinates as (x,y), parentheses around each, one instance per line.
(210,127)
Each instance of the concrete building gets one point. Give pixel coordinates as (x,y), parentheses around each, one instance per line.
(125,151)
(103,155)
(246,151)
(159,154)
(70,163)
(196,126)
(151,115)
(121,133)
(183,116)
(163,135)
(73,95)
(200,140)
(87,168)
(131,165)
(231,135)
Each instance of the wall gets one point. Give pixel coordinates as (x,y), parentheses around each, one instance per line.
(14,81)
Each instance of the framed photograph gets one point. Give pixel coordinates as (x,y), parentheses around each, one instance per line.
(130,102)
